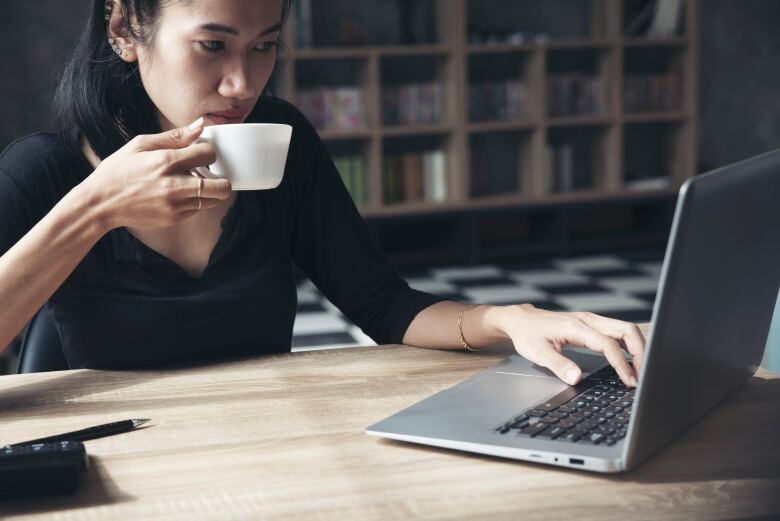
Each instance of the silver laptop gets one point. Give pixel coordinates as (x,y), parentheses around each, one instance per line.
(717,290)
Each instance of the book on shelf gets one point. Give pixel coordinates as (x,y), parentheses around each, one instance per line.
(413,104)
(339,108)
(569,167)
(350,169)
(497,100)
(650,183)
(655,19)
(415,177)
(648,92)
(574,94)
(666,19)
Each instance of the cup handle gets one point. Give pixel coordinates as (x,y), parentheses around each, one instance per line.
(203,171)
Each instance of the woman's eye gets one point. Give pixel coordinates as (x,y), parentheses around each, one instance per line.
(212,45)
(267,46)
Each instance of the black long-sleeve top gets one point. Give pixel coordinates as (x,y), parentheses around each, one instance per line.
(126,305)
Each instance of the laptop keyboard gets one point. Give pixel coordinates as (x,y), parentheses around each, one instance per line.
(595,412)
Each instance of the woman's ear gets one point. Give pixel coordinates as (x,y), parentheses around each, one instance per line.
(118,36)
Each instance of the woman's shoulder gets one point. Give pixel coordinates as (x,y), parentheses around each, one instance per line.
(41,149)
(44,160)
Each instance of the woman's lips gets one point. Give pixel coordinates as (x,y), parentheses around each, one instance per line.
(228,116)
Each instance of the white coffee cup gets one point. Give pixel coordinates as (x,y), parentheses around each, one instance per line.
(251,155)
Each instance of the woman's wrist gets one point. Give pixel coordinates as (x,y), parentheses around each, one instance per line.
(482,325)
(89,201)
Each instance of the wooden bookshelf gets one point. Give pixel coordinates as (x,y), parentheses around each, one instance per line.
(602,141)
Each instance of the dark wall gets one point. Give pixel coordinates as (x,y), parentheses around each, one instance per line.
(739,98)
(739,54)
(35,37)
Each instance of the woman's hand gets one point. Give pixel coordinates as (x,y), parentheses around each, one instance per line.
(147,183)
(539,336)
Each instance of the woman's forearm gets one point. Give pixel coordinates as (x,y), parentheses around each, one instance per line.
(436,326)
(33,269)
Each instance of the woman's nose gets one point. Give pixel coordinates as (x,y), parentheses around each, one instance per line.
(237,83)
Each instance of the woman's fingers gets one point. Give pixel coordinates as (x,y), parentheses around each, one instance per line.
(185,159)
(546,356)
(191,204)
(628,333)
(171,139)
(186,187)
(580,333)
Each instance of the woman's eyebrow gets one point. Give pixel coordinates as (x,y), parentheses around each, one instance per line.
(226,29)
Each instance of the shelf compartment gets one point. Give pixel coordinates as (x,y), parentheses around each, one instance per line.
(524,21)
(414,90)
(575,159)
(652,79)
(499,88)
(576,82)
(638,20)
(332,93)
(357,23)
(498,162)
(650,153)
(415,170)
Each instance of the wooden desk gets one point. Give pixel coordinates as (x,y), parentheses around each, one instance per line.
(282,437)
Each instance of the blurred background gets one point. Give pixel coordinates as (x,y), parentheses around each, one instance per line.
(500,151)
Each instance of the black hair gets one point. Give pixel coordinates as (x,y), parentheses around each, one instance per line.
(101,94)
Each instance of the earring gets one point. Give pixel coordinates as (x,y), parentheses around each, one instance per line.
(114,46)
(109,7)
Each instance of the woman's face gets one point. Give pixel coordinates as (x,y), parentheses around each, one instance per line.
(209,58)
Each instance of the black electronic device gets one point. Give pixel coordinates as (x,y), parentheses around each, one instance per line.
(41,468)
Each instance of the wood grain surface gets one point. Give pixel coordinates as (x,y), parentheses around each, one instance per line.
(283,437)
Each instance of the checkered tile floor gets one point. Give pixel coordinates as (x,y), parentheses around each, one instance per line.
(621,286)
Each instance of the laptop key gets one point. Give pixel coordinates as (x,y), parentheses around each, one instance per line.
(536,413)
(605,429)
(552,432)
(557,414)
(518,424)
(573,435)
(594,437)
(536,428)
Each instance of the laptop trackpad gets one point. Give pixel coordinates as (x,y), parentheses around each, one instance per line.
(588,362)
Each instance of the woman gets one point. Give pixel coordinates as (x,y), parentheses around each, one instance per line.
(137,263)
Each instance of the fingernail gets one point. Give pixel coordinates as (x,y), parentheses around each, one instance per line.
(571,376)
(195,125)
(633,381)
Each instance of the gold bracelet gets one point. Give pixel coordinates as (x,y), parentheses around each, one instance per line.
(460,327)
